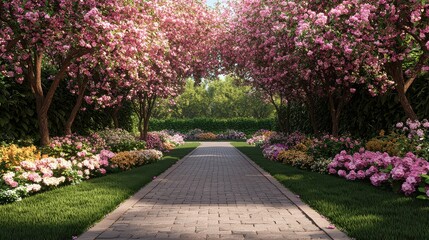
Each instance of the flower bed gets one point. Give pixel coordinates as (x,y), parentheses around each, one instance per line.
(71,159)
(119,140)
(200,135)
(382,169)
(398,160)
(130,159)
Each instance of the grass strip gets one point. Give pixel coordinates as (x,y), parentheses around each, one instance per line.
(69,211)
(358,208)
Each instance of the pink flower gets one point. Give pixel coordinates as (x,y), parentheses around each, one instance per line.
(399,125)
(407,188)
(371,171)
(360,174)
(332,171)
(34,177)
(398,173)
(82,153)
(351,175)
(411,180)
(342,173)
(102,170)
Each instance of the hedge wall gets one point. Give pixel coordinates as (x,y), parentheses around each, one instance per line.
(247,125)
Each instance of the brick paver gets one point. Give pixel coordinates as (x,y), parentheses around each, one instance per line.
(214,193)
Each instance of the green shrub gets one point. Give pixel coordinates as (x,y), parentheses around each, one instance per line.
(120,140)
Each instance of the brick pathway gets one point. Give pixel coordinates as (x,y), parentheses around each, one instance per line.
(214,193)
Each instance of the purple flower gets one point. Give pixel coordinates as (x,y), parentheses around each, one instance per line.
(332,171)
(400,125)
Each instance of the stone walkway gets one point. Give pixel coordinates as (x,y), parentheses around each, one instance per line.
(214,193)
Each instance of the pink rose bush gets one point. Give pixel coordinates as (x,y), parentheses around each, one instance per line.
(381,169)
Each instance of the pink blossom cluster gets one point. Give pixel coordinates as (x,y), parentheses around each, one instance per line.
(47,173)
(177,139)
(272,151)
(380,168)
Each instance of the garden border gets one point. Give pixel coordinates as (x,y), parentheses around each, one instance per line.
(101,226)
(314,216)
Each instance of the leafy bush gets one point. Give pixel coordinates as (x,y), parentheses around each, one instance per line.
(260,137)
(296,158)
(120,140)
(206,136)
(231,135)
(394,144)
(71,146)
(272,151)
(320,165)
(130,159)
(12,155)
(153,141)
(124,160)
(328,146)
(417,136)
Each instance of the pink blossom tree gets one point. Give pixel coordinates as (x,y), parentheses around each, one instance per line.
(34,33)
(398,34)
(305,49)
(188,31)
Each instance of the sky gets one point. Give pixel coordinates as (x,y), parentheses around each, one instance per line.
(211,2)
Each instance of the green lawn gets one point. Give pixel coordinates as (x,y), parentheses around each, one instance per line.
(361,210)
(70,210)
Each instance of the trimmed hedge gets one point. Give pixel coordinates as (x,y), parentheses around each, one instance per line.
(246,125)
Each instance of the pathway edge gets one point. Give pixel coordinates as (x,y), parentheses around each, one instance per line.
(314,216)
(104,224)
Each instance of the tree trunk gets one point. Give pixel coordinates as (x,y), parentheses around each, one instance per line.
(115,117)
(394,69)
(145,128)
(76,108)
(312,115)
(140,127)
(43,128)
(148,107)
(335,116)
(34,76)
